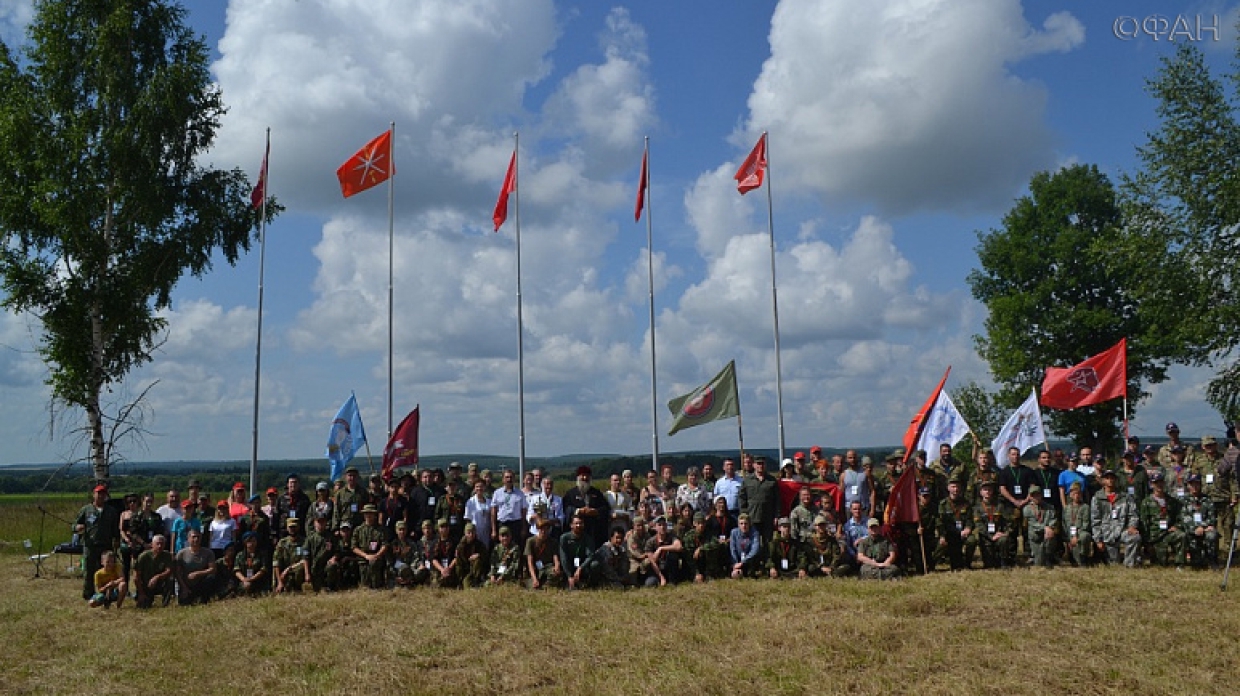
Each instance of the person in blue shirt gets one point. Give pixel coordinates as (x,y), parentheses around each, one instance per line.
(745,543)
(182,526)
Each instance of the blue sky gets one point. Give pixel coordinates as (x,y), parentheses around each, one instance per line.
(898,129)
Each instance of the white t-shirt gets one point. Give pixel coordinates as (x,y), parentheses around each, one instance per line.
(223,532)
(170,515)
(480,515)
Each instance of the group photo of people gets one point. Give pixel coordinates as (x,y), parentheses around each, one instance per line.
(808,516)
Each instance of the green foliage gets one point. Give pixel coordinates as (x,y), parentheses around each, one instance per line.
(1058,293)
(105,204)
(981,409)
(1187,200)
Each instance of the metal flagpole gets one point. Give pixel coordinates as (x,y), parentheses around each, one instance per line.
(654,402)
(520,330)
(391,226)
(258,344)
(770,226)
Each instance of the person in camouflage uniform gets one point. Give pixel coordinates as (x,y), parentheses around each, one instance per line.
(822,552)
(451,507)
(542,558)
(635,546)
(318,547)
(1132,479)
(987,471)
(405,560)
(877,554)
(920,556)
(577,556)
(1201,533)
(342,564)
(370,546)
(505,560)
(692,540)
(946,469)
(802,516)
(1218,484)
(785,557)
(992,525)
(1042,525)
(443,558)
(1115,523)
(257,521)
(98,526)
(253,570)
(348,502)
(664,550)
(289,560)
(1160,524)
(956,539)
(1173,436)
(472,562)
(1077,528)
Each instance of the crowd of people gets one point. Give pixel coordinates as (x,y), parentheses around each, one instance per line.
(813,517)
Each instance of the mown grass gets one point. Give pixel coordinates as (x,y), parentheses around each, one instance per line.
(20,519)
(1095,631)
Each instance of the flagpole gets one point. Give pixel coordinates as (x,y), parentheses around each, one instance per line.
(391,246)
(258,342)
(520,329)
(770,226)
(654,403)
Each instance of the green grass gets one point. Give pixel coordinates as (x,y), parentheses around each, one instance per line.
(1036,631)
(20,519)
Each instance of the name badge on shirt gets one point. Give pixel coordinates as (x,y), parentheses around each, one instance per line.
(301,551)
(1046,493)
(1115,514)
(1209,478)
(959,526)
(249,574)
(353,507)
(444,562)
(1179,492)
(374,546)
(783,563)
(852,490)
(502,569)
(1132,490)
(576,562)
(1162,524)
(1197,518)
(454,520)
(90,519)
(428,565)
(538,565)
(1072,531)
(292,514)
(1018,490)
(430,500)
(990,527)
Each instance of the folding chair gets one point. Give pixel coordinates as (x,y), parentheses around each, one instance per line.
(37,558)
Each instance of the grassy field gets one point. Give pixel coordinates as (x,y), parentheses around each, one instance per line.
(1101,631)
(1096,631)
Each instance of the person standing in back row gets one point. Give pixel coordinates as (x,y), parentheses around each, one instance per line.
(759,498)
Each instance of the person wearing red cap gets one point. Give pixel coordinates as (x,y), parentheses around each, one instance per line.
(237,506)
(98,525)
(819,467)
(591,504)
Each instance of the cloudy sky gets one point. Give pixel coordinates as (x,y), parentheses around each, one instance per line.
(898,129)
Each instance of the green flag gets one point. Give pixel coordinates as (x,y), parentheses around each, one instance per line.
(713,401)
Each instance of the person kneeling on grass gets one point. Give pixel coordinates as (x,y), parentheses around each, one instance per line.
(195,571)
(785,557)
(877,554)
(253,571)
(153,573)
(542,557)
(109,583)
(745,545)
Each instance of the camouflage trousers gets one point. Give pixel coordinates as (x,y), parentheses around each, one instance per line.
(473,574)
(1166,548)
(1042,550)
(997,554)
(1081,551)
(1201,551)
(404,575)
(373,573)
(956,553)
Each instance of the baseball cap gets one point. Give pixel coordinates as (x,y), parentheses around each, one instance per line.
(872,522)
(1172,426)
(814,449)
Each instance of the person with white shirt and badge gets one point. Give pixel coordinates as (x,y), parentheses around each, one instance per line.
(508,508)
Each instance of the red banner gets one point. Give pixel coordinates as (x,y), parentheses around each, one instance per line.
(829,495)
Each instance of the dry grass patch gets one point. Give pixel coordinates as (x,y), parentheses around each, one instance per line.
(1099,631)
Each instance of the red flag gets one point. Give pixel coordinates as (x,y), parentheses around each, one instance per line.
(369,166)
(753,169)
(830,496)
(259,194)
(902,501)
(510,185)
(641,190)
(1100,378)
(402,449)
(919,419)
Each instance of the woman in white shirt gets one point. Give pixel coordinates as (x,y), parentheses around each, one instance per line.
(223,529)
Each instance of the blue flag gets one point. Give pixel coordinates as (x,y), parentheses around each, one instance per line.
(346,436)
